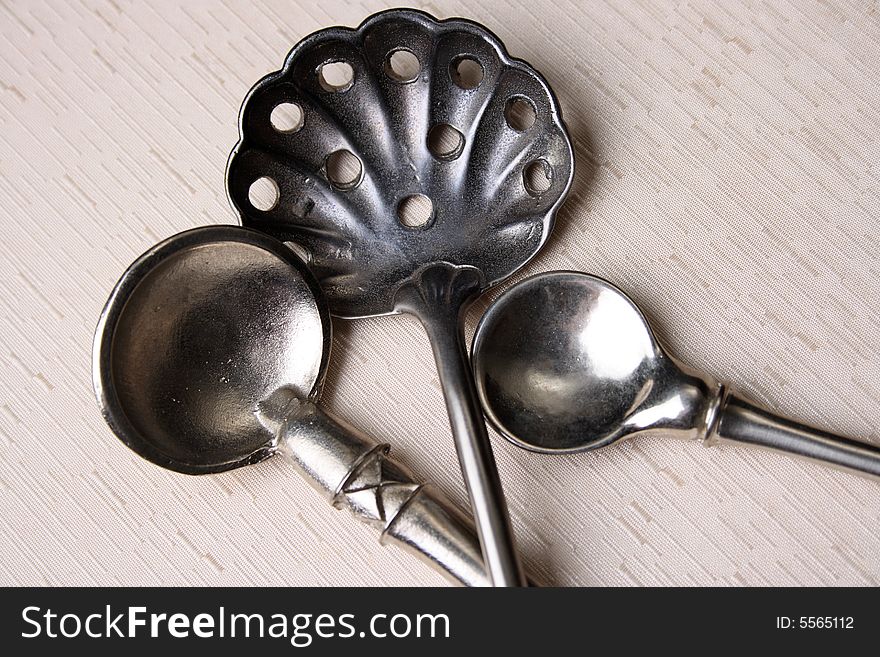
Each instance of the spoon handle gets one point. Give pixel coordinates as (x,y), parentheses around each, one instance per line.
(356,473)
(741,421)
(437,296)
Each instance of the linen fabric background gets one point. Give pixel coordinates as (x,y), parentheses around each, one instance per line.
(727,179)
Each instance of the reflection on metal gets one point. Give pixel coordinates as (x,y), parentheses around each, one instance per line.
(210,355)
(485,220)
(565,362)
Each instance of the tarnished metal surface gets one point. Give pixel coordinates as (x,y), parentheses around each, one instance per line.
(210,355)
(195,334)
(483,213)
(470,135)
(565,362)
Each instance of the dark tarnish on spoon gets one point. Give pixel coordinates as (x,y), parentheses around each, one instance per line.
(417,164)
(210,355)
(565,362)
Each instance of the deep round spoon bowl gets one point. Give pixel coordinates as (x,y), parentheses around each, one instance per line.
(195,335)
(559,361)
(210,355)
(566,362)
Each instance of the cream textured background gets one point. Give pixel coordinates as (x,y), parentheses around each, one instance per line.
(727,179)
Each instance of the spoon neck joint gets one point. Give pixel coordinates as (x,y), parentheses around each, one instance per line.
(439,292)
(716,400)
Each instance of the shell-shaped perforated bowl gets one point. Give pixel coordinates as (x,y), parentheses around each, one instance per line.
(438,147)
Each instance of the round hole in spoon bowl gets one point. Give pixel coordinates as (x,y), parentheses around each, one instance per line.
(519,112)
(560,359)
(466,72)
(415,211)
(344,169)
(445,142)
(197,332)
(402,65)
(263,194)
(336,76)
(537,177)
(287,117)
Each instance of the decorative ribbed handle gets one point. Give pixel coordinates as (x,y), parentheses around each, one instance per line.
(354,472)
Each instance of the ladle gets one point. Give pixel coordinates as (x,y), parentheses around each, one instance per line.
(210,355)
(413,189)
(566,362)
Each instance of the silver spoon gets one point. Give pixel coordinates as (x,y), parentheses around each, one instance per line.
(210,355)
(413,189)
(566,362)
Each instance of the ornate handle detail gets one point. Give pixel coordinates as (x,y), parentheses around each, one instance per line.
(439,288)
(377,490)
(355,473)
